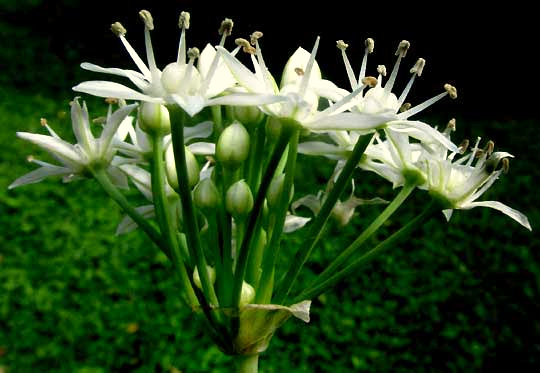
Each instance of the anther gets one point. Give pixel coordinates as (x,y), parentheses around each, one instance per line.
(370,81)
(381,69)
(183,20)
(246,47)
(370,45)
(193,53)
(418,67)
(111,100)
(43,122)
(406,106)
(226,27)
(402,49)
(451,124)
(505,165)
(118,29)
(452,91)
(488,149)
(463,146)
(30,158)
(255,36)
(299,71)
(342,45)
(147,19)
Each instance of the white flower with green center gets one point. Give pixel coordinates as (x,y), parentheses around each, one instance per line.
(301,88)
(180,82)
(87,155)
(458,184)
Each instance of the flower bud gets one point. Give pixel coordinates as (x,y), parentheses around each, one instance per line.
(239,200)
(247,295)
(247,115)
(211,275)
(233,145)
(191,164)
(154,118)
(206,195)
(275,190)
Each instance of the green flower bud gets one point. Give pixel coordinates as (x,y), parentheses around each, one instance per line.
(192,168)
(248,115)
(206,195)
(211,275)
(154,118)
(275,190)
(239,200)
(247,295)
(233,146)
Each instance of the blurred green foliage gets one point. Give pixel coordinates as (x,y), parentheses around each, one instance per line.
(74,298)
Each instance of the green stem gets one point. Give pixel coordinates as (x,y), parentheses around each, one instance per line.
(240,269)
(317,225)
(256,157)
(369,255)
(120,199)
(247,363)
(178,118)
(264,292)
(368,232)
(164,215)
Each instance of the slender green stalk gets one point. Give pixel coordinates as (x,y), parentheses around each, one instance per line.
(256,157)
(178,118)
(320,288)
(317,225)
(368,232)
(247,363)
(240,269)
(264,292)
(120,199)
(164,216)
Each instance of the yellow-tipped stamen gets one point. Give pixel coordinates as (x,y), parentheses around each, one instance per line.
(255,36)
(120,31)
(449,91)
(244,44)
(192,54)
(370,81)
(416,70)
(225,30)
(370,45)
(406,106)
(401,52)
(341,45)
(183,23)
(45,124)
(148,20)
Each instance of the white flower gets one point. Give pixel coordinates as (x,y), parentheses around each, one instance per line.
(89,154)
(458,184)
(300,90)
(181,83)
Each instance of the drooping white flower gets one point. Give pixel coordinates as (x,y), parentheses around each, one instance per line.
(180,82)
(88,154)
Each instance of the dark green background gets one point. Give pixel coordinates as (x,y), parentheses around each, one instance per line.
(462,296)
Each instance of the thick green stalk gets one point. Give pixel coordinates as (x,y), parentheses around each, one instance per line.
(242,255)
(368,232)
(264,292)
(178,118)
(369,255)
(247,363)
(317,225)
(164,215)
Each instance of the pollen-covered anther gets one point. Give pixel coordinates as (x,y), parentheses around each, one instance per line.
(451,124)
(111,100)
(452,91)
(342,45)
(118,29)
(381,69)
(505,165)
(193,53)
(488,149)
(43,121)
(255,36)
(299,71)
(402,49)
(183,20)
(370,81)
(246,47)
(418,67)
(30,158)
(370,45)
(463,146)
(226,27)
(406,106)
(147,19)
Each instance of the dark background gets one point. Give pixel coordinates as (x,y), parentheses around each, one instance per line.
(486,51)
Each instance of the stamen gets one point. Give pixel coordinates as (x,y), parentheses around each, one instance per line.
(418,67)
(183,23)
(451,90)
(400,52)
(451,126)
(370,45)
(225,29)
(369,81)
(184,20)
(488,149)
(309,68)
(473,152)
(406,106)
(463,146)
(505,165)
(255,36)
(111,100)
(44,123)
(244,44)
(416,70)
(350,73)
(30,158)
(381,69)
(118,29)
(193,53)
(147,19)
(299,71)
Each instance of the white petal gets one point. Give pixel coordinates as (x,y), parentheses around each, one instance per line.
(242,74)
(349,121)
(136,78)
(246,99)
(199,131)
(139,177)
(58,148)
(299,59)
(514,214)
(320,148)
(190,104)
(423,132)
(113,122)
(127,224)
(294,223)
(106,89)
(39,174)
(327,89)
(202,148)
(118,178)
